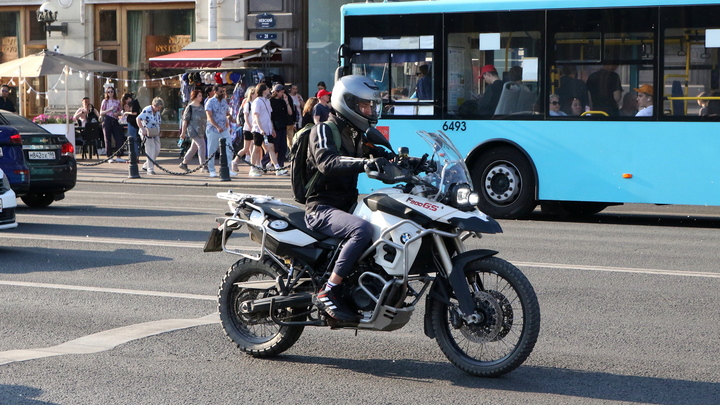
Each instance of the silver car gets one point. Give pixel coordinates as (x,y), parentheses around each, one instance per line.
(7,204)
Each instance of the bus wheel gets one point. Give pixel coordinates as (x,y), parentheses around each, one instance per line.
(505,181)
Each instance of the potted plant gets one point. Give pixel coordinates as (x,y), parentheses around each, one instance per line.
(56,124)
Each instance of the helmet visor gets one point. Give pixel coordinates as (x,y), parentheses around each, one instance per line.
(368,109)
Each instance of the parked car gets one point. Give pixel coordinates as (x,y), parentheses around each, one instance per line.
(7,203)
(12,160)
(50,158)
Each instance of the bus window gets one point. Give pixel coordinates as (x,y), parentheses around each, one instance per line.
(598,57)
(403,70)
(690,71)
(509,44)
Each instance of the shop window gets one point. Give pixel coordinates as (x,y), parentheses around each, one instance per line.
(9,35)
(108,25)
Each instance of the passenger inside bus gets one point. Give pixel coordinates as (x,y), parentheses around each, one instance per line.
(489,100)
(629,105)
(576,107)
(555,106)
(570,87)
(605,90)
(645,100)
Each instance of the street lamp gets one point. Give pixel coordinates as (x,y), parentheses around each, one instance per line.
(47,15)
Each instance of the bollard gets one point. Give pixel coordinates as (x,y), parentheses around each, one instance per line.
(132,167)
(224,169)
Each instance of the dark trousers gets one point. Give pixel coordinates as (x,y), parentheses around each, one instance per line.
(280,144)
(113,131)
(337,223)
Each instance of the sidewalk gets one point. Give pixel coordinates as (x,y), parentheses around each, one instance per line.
(170,159)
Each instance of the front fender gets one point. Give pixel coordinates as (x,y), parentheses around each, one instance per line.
(443,287)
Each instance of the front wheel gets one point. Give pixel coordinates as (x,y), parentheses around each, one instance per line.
(506,324)
(255,334)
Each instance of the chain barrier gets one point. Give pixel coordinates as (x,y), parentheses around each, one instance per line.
(113,156)
(176,173)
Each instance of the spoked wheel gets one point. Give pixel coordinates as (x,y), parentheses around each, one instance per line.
(507,320)
(255,333)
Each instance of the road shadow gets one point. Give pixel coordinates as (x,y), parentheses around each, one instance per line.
(666,220)
(534,379)
(36,259)
(76,210)
(21,395)
(100,231)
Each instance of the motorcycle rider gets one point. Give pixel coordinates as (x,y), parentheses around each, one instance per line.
(356,102)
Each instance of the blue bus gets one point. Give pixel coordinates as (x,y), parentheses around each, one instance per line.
(600,103)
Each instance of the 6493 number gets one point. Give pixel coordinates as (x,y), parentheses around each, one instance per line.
(454,126)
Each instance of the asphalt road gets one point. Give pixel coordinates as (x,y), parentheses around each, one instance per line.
(107,298)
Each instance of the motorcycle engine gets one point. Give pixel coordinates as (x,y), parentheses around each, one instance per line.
(361,299)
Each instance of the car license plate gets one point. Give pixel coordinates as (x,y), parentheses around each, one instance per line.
(41,155)
(1,155)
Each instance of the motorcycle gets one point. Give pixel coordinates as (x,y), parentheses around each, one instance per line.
(482,310)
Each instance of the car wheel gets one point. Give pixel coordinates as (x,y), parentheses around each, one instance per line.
(38,200)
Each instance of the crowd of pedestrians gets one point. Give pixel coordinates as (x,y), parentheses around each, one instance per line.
(257,123)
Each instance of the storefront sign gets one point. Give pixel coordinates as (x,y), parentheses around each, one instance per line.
(8,49)
(266,36)
(265,20)
(157,45)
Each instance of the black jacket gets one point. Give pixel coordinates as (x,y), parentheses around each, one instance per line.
(337,186)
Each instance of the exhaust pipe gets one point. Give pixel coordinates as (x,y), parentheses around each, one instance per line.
(263,304)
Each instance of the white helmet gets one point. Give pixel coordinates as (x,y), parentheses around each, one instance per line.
(349,92)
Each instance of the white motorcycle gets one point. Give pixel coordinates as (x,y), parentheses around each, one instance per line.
(482,310)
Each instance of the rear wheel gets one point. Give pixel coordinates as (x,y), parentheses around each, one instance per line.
(38,200)
(256,334)
(507,320)
(505,181)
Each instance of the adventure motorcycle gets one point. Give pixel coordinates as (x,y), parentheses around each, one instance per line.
(482,310)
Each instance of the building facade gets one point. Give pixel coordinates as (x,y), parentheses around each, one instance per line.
(304,36)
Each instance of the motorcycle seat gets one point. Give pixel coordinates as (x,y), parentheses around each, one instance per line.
(293,215)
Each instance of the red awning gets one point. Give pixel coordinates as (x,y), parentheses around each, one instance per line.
(205,58)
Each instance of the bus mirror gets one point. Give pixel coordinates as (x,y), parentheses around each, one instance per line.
(712,38)
(490,42)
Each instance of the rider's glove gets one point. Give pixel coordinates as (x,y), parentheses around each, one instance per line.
(375,165)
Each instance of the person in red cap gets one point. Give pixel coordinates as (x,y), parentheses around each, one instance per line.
(645,96)
(321,111)
(493,89)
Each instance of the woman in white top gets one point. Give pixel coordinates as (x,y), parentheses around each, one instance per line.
(246,111)
(262,129)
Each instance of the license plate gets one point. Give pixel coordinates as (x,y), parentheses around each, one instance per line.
(1,155)
(0,204)
(41,155)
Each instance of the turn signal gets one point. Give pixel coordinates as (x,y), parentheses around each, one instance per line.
(627,175)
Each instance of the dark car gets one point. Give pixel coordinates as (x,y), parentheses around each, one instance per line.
(12,160)
(50,158)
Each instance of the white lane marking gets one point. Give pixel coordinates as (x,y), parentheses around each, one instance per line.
(619,269)
(109,290)
(106,340)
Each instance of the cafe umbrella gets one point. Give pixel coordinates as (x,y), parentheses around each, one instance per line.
(52,63)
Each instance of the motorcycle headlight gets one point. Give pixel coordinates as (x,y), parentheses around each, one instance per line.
(464,197)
